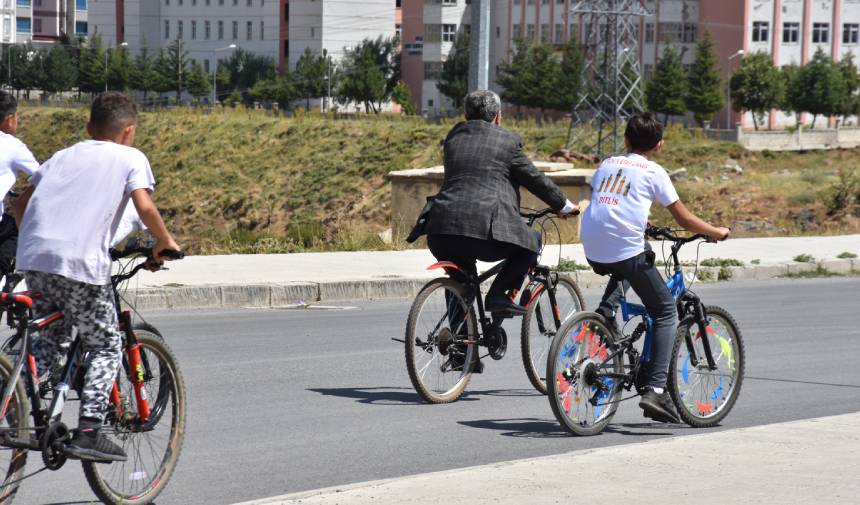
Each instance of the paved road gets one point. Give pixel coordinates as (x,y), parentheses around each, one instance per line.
(284,401)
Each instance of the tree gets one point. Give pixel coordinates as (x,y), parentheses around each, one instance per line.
(454,78)
(166,73)
(818,87)
(667,90)
(371,71)
(60,73)
(198,82)
(704,96)
(756,86)
(146,76)
(174,67)
(530,78)
(310,76)
(402,96)
(850,105)
(120,70)
(27,70)
(91,66)
(568,78)
(514,76)
(246,69)
(281,89)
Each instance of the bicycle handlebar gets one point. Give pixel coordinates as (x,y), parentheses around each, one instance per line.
(534,216)
(667,233)
(150,262)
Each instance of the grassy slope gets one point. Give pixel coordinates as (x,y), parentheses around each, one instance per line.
(239,181)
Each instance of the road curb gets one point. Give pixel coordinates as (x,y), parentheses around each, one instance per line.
(298,293)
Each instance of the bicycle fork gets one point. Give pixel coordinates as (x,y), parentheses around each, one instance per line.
(136,372)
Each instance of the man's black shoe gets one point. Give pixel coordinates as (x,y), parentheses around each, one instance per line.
(659,407)
(90,445)
(503,305)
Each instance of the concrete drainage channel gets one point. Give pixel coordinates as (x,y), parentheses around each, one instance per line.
(318,295)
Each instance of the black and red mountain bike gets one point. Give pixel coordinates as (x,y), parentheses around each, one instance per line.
(146,413)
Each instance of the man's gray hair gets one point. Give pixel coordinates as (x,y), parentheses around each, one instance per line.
(482,104)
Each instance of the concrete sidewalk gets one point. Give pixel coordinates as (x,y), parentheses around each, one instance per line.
(284,279)
(802,462)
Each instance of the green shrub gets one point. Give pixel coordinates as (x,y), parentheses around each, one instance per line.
(570,265)
(722,262)
(847,256)
(804,258)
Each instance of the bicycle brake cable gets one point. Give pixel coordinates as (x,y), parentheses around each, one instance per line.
(15,482)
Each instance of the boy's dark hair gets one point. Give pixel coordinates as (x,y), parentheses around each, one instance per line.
(111,112)
(643,132)
(8,105)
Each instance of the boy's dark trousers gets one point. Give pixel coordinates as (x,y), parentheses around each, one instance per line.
(8,243)
(639,273)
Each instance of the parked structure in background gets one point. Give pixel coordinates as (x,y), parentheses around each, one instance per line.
(41,21)
(280,29)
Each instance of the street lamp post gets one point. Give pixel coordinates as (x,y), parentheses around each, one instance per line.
(729,88)
(215,72)
(123,45)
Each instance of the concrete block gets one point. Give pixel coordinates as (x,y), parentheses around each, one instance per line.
(293,293)
(838,266)
(743,273)
(586,279)
(194,297)
(393,288)
(343,290)
(259,295)
(794,268)
(770,271)
(148,299)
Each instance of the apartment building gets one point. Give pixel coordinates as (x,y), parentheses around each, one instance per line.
(281,29)
(41,21)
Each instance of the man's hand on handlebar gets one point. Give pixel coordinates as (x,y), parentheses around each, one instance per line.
(569,209)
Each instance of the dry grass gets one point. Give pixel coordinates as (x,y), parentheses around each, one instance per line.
(245,181)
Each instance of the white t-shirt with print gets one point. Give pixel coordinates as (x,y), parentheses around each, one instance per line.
(613,225)
(80,196)
(15,158)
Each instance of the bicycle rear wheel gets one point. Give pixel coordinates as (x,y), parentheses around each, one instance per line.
(539,326)
(15,424)
(441,341)
(152,447)
(584,386)
(702,396)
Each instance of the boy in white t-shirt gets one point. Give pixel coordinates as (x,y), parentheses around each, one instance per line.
(68,218)
(613,236)
(15,159)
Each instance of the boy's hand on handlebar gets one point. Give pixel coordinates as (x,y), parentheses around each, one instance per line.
(160,247)
(722,234)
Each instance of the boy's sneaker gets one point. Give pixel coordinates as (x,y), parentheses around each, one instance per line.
(659,407)
(91,445)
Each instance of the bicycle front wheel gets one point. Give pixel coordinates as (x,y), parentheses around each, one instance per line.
(584,384)
(441,341)
(14,424)
(153,446)
(540,326)
(703,396)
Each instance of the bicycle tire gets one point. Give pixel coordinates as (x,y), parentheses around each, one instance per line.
(693,411)
(580,342)
(440,351)
(100,476)
(540,314)
(18,411)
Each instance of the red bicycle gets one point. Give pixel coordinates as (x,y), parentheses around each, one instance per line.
(146,415)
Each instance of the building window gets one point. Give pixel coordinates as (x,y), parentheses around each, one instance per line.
(220,30)
(249,30)
(820,33)
(544,33)
(649,33)
(432,70)
(449,2)
(180,3)
(23,25)
(179,29)
(235,30)
(80,27)
(220,2)
(671,32)
(790,33)
(850,33)
(194,3)
(559,34)
(194,30)
(81,5)
(206,66)
(23,3)
(262,28)
(530,31)
(518,32)
(167,29)
(397,31)
(689,33)
(207,29)
(449,33)
(235,3)
(760,31)
(249,3)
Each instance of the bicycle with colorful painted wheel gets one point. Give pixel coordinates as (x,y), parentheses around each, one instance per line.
(592,361)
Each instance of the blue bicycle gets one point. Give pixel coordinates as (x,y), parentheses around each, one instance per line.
(587,370)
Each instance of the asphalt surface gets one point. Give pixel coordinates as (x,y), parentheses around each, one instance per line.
(289,400)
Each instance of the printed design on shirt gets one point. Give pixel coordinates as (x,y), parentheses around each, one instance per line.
(612,187)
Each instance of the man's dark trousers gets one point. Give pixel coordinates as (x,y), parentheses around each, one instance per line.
(640,274)
(464,251)
(8,243)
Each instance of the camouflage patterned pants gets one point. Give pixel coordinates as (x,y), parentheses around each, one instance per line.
(91,309)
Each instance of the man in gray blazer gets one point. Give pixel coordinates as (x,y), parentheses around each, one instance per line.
(476,216)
